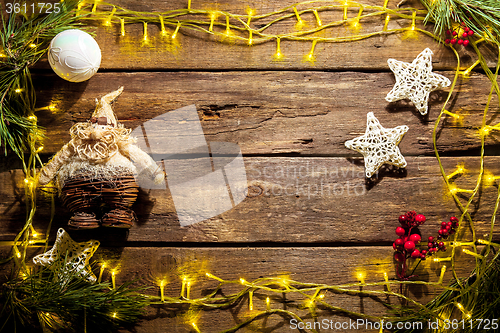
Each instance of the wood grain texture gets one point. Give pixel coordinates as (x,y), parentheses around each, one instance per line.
(292,200)
(196,50)
(300,113)
(332,266)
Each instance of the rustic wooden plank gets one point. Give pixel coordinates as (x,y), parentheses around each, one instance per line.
(302,200)
(193,50)
(327,265)
(305,113)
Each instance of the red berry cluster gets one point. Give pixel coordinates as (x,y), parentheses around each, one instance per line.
(405,246)
(459,36)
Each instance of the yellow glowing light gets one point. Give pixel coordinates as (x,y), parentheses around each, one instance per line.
(361,277)
(345,4)
(162,290)
(39,149)
(213,17)
(485,242)
(2,55)
(310,303)
(278,55)
(483,131)
(162,25)
(250,40)
(268,303)
(386,22)
(18,90)
(459,170)
(441,276)
(33,118)
(300,23)
(26,180)
(442,259)
(460,306)
(145,26)
(188,289)
(414,15)
(18,254)
(242,281)
(250,11)
(32,45)
(250,300)
(113,278)
(115,314)
(176,30)
(472,254)
(94,8)
(35,235)
(195,327)
(321,296)
(318,20)
(122,27)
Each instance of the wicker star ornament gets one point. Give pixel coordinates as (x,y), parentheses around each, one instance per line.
(415,81)
(72,255)
(379,145)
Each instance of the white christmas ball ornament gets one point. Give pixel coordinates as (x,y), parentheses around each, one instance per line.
(74,55)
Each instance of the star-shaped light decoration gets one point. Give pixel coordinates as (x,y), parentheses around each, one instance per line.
(415,81)
(72,256)
(379,145)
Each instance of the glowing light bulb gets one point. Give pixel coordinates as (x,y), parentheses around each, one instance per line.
(195,327)
(122,27)
(115,314)
(18,90)
(268,304)
(242,281)
(32,45)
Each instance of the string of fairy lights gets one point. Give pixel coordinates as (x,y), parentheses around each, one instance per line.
(241,28)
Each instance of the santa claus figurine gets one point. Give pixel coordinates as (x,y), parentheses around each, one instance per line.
(95,172)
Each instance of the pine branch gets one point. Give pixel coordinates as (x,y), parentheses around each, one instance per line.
(23,42)
(482,16)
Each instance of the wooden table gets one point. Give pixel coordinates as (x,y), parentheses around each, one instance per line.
(290,119)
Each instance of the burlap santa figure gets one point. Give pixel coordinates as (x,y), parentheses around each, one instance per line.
(95,172)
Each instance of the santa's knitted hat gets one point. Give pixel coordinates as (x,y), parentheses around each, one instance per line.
(103,114)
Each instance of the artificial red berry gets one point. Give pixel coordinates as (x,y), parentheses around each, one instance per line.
(466,42)
(447,41)
(443,224)
(466,29)
(453,41)
(454,33)
(399,242)
(409,246)
(415,238)
(403,219)
(400,231)
(399,256)
(465,34)
(453,219)
(435,249)
(471,33)
(448,228)
(420,218)
(431,239)
(394,246)
(415,254)
(440,232)
(448,31)
(441,244)
(422,256)
(460,42)
(424,252)
(430,245)
(449,224)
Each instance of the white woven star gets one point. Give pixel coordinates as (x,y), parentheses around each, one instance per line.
(379,145)
(73,255)
(415,81)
